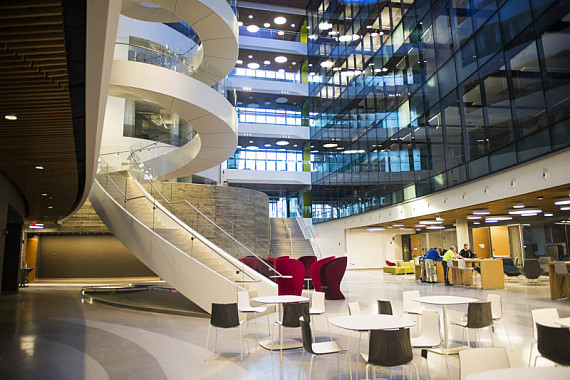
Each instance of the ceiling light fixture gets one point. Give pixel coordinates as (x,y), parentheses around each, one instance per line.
(525,211)
(267,145)
(280,59)
(266,25)
(429,222)
(280,20)
(282,143)
(435,227)
(481,212)
(330,145)
(239,61)
(325,26)
(250,16)
(375,229)
(39,167)
(253,28)
(548,214)
(566,208)
(253,65)
(473,217)
(11,117)
(562,202)
(498,218)
(518,205)
(266,62)
(326,64)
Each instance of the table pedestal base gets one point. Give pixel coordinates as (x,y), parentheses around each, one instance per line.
(288,344)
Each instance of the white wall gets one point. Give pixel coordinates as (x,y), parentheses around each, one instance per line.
(267,176)
(369,249)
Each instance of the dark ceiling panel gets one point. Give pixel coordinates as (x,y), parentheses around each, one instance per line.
(38,150)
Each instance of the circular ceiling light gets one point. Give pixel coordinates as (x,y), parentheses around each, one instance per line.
(250,16)
(330,145)
(345,38)
(253,105)
(266,62)
(282,143)
(267,103)
(240,23)
(11,117)
(293,63)
(281,33)
(280,20)
(281,100)
(252,147)
(266,25)
(280,59)
(250,56)
(325,26)
(253,65)
(239,61)
(267,145)
(327,64)
(253,28)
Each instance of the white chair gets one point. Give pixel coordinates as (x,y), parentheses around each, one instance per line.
(430,337)
(353,308)
(497,313)
(245,307)
(546,316)
(484,359)
(318,308)
(463,269)
(411,307)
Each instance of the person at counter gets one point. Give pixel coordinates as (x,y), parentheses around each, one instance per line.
(467,253)
(433,254)
(449,254)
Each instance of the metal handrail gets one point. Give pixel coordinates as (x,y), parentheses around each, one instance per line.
(213,223)
(194,234)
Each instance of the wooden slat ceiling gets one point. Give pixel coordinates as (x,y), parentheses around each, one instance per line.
(35,88)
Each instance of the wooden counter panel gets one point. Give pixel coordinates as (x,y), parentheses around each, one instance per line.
(556,291)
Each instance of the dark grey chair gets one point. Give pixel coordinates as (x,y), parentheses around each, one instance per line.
(553,344)
(225,316)
(389,348)
(531,269)
(384,307)
(319,348)
(510,269)
(291,314)
(479,315)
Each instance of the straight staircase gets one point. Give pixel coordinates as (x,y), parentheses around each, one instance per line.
(287,239)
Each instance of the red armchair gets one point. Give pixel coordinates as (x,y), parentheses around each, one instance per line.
(332,273)
(293,268)
(316,272)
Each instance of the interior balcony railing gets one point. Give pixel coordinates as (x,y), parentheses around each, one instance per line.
(272,75)
(271,34)
(157,55)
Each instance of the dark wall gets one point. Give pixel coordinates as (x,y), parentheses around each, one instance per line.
(86,256)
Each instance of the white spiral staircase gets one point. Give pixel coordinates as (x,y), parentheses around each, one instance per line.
(197,268)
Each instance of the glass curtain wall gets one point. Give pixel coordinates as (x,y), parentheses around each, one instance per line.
(419,96)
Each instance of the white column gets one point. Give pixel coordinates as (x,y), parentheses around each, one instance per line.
(462,231)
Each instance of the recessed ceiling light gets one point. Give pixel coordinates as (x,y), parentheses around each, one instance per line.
(239,61)
(518,205)
(427,222)
(44,195)
(435,227)
(266,25)
(253,65)
(327,64)
(566,208)
(375,229)
(325,26)
(253,28)
(50,206)
(267,145)
(439,219)
(250,16)
(524,211)
(280,20)
(39,167)
(548,214)
(293,63)
(266,62)
(280,59)
(240,23)
(339,148)
(281,33)
(345,38)
(330,145)
(481,212)
(253,105)
(250,56)
(562,202)
(473,217)
(282,143)
(476,222)
(498,217)
(252,147)
(281,100)
(397,225)
(11,117)
(292,25)
(251,141)
(295,145)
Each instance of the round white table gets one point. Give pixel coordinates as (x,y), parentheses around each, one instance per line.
(524,373)
(280,300)
(366,322)
(564,322)
(445,301)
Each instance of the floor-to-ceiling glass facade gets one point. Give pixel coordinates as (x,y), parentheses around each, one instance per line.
(418,96)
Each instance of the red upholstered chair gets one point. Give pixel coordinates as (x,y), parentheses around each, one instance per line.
(307,262)
(332,273)
(316,272)
(390,263)
(250,261)
(294,268)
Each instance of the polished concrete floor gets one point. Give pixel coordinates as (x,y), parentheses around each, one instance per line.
(49,332)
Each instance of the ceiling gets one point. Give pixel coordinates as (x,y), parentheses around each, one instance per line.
(43,151)
(543,200)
